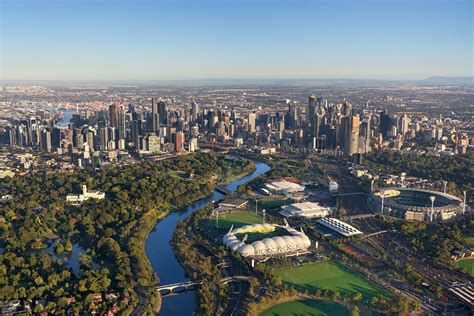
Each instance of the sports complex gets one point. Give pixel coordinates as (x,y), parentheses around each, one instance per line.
(415,204)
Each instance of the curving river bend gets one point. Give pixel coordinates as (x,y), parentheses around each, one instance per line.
(161,256)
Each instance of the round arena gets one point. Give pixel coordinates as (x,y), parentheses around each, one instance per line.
(415,204)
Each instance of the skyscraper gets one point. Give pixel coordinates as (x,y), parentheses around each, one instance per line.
(251,122)
(311,110)
(179,141)
(121,126)
(194,110)
(163,114)
(113,113)
(46,140)
(155,115)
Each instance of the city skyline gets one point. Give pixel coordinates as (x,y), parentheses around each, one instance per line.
(118,40)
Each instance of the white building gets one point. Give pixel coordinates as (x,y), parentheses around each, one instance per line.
(305,209)
(84,196)
(283,187)
(296,241)
(339,227)
(333,187)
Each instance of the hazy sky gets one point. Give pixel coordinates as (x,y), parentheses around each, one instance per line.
(103,40)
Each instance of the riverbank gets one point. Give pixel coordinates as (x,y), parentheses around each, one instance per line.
(162,242)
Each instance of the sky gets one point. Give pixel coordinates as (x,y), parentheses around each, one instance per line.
(231,39)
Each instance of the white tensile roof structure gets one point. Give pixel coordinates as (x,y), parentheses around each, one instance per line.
(271,246)
(339,226)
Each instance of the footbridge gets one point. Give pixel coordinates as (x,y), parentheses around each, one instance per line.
(361,216)
(378,233)
(180,287)
(350,194)
(222,190)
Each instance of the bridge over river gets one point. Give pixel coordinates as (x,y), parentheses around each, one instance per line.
(181,287)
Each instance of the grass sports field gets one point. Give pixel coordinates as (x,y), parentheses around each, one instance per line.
(467,265)
(470,240)
(237,219)
(329,275)
(306,308)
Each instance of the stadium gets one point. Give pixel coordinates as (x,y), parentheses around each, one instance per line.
(415,204)
(287,241)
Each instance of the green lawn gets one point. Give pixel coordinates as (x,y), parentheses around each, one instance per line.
(306,308)
(271,202)
(237,219)
(251,237)
(179,174)
(329,275)
(467,265)
(469,240)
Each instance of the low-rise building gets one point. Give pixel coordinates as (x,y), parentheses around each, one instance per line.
(283,187)
(79,198)
(305,209)
(339,227)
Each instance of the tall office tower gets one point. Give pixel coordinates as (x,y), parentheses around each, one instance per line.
(103,138)
(221,129)
(90,140)
(77,138)
(135,131)
(346,108)
(163,112)
(317,127)
(112,132)
(155,115)
(404,124)
(194,110)
(232,130)
(68,135)
(311,109)
(46,140)
(113,114)
(251,122)
(385,124)
(11,135)
(331,137)
(153,143)
(364,138)
(121,124)
(193,145)
(352,137)
(293,116)
(179,142)
(299,136)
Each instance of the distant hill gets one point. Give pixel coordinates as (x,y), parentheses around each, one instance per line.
(450,80)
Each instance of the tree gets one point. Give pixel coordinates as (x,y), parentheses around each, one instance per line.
(355,311)
(357,297)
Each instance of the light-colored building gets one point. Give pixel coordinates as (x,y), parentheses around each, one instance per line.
(293,243)
(305,209)
(283,187)
(339,227)
(84,196)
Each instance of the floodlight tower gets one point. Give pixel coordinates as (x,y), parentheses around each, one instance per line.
(464,203)
(217,214)
(382,194)
(445,184)
(432,198)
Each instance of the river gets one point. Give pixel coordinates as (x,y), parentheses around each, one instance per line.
(161,255)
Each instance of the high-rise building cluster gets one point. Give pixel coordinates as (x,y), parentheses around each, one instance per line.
(92,136)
